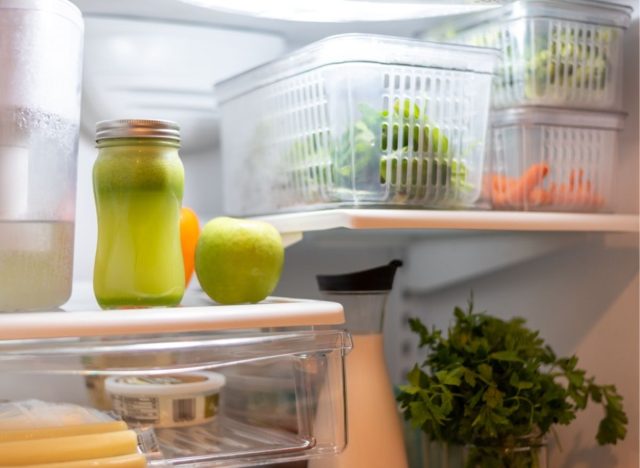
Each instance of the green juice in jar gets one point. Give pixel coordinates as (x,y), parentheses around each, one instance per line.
(138,186)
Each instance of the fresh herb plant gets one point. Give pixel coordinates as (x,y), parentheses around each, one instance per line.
(491,383)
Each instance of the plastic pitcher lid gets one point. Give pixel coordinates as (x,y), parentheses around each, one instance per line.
(63,8)
(374,279)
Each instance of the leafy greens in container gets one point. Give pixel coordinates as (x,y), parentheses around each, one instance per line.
(357,120)
(401,147)
(566,53)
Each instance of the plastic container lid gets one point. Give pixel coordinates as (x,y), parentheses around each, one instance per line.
(558,116)
(176,384)
(62,8)
(585,11)
(361,48)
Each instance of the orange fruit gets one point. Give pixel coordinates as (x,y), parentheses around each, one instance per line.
(189,233)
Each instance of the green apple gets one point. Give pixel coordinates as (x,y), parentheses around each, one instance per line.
(239,260)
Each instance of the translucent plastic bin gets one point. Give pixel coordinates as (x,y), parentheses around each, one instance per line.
(554,53)
(283,393)
(547,159)
(357,120)
(310,389)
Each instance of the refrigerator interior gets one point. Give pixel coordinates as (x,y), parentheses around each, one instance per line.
(580,290)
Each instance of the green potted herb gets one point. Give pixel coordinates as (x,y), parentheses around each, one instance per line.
(495,387)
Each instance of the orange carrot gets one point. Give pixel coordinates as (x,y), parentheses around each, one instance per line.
(537,196)
(578,198)
(498,190)
(499,183)
(529,180)
(495,187)
(499,200)
(487,186)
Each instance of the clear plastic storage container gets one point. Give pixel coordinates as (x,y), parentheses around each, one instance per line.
(40,76)
(226,397)
(547,159)
(357,120)
(554,53)
(243,432)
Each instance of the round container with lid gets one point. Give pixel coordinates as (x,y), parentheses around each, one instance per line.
(138,182)
(167,400)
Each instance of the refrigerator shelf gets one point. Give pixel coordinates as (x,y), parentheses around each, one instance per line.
(82,317)
(293,225)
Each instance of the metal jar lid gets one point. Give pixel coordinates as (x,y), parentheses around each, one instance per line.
(137,128)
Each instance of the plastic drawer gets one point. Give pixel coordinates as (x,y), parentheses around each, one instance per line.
(282,399)
(310,391)
(554,53)
(550,159)
(357,120)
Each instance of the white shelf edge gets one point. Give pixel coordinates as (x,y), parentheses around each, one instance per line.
(277,312)
(379,219)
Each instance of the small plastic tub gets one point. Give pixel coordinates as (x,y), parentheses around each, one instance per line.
(549,159)
(175,400)
(554,53)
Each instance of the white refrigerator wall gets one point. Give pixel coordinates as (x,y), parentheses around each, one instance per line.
(582,292)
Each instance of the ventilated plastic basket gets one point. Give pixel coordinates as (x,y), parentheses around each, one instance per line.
(546,159)
(554,53)
(357,120)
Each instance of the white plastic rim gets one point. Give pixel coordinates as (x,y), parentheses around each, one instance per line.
(63,8)
(358,48)
(169,385)
(558,116)
(458,219)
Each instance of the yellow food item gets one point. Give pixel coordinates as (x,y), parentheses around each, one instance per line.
(67,449)
(62,431)
(127,461)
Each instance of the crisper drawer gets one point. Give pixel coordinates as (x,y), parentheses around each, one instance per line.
(283,396)
(357,120)
(224,398)
(554,53)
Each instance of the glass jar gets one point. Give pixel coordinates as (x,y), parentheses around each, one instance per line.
(138,182)
(521,452)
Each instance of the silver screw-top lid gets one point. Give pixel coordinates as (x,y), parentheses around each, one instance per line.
(137,128)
